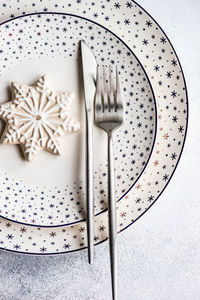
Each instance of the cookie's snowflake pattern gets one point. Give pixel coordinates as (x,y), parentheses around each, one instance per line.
(37,117)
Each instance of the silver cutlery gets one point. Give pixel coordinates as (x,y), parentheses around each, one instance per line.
(109,116)
(89,68)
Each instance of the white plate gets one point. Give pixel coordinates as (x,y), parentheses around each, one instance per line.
(143,36)
(50,190)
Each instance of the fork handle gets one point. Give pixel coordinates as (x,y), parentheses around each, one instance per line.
(112,218)
(89,186)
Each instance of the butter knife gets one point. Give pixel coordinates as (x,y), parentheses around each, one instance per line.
(89,69)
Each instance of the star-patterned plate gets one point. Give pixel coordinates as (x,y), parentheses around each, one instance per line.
(136,33)
(50,190)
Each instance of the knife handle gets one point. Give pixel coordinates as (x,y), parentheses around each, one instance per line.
(89,185)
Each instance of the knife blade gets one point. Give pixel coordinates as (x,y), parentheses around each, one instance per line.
(89,69)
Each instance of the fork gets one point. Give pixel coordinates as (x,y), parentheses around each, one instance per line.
(109,116)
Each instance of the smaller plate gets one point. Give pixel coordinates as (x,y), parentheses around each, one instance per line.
(50,191)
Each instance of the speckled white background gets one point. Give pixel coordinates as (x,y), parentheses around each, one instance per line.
(159,255)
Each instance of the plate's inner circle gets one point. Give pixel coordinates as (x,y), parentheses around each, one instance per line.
(51,190)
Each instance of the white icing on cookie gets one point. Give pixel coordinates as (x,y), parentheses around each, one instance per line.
(37,117)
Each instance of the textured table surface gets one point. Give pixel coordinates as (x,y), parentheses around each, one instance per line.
(159,255)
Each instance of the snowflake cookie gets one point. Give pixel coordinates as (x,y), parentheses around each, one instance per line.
(37,117)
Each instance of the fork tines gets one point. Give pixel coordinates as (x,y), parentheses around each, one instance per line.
(108,94)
